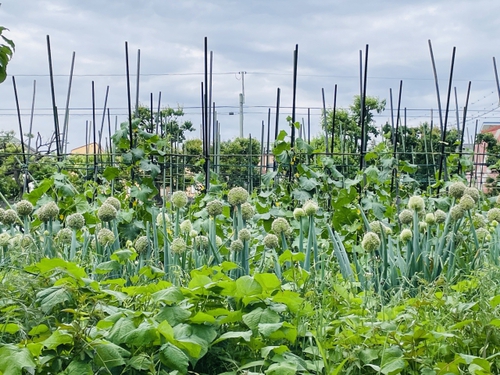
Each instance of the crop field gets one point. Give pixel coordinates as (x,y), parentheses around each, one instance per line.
(364,250)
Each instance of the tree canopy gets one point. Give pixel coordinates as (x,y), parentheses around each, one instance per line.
(167,123)
(347,131)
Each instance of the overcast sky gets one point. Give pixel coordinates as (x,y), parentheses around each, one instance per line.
(257,37)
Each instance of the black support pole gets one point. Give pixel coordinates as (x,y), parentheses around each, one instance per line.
(443,135)
(294,91)
(333,116)
(54,106)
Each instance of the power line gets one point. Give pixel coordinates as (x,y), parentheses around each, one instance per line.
(188,74)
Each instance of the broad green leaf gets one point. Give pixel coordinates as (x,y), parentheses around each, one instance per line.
(495,301)
(149,167)
(307,184)
(281,135)
(288,256)
(118,334)
(47,265)
(246,286)
(495,322)
(258,316)
(38,330)
(193,339)
(35,348)
(14,359)
(208,333)
(37,193)
(173,315)
(199,281)
(278,331)
(169,296)
(266,329)
(393,367)
(372,173)
(228,266)
(292,300)
(368,355)
(371,155)
(107,267)
(174,358)
(124,255)
(247,335)
(121,297)
(480,366)
(253,364)
(11,328)
(143,335)
(232,317)
(301,195)
(151,272)
(137,153)
(142,193)
(276,349)
(57,338)
(268,281)
(51,297)
(304,146)
(141,362)
(111,173)
(108,355)
(166,330)
(77,367)
(282,368)
(202,318)
(193,347)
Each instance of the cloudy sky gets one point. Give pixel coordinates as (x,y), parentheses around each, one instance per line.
(257,37)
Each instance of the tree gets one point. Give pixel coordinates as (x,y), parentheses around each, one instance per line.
(13,171)
(421,146)
(155,147)
(7,48)
(167,123)
(193,149)
(347,130)
(238,162)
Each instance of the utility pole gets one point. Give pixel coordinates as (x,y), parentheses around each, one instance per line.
(242,101)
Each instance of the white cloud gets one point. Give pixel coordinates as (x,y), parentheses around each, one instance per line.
(258,37)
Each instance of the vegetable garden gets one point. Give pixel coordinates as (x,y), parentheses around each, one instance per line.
(314,273)
(311,268)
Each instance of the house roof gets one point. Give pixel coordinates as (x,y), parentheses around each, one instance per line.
(86,149)
(492,128)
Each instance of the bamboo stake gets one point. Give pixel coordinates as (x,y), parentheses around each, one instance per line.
(496,78)
(333,116)
(463,128)
(278,93)
(437,86)
(443,136)
(324,120)
(54,106)
(66,111)
(94,128)
(364,132)
(294,93)
(129,101)
(138,78)
(25,165)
